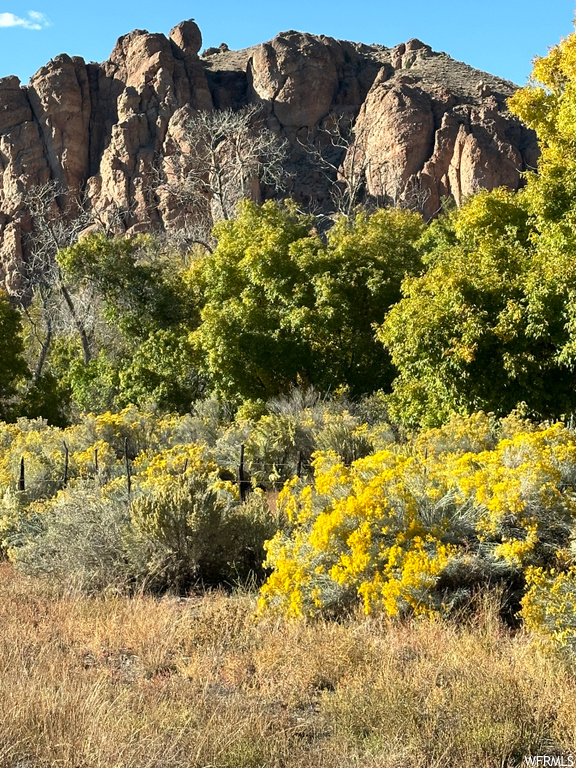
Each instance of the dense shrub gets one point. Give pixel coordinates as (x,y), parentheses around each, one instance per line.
(178,524)
(549,605)
(184,532)
(173,536)
(77,540)
(418,530)
(418,526)
(281,306)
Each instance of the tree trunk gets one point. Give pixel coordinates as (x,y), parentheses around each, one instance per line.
(78,324)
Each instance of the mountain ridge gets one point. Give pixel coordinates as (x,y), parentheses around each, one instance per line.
(422,121)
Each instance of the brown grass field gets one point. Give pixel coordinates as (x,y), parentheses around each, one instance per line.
(111,682)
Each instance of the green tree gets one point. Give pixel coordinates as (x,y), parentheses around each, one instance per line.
(282,307)
(548,105)
(458,337)
(355,281)
(145,310)
(163,372)
(492,323)
(140,282)
(13,368)
(257,298)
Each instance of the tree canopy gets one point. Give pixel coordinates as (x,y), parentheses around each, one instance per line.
(491,323)
(13,368)
(282,306)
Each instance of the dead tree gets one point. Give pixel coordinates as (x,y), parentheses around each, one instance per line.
(220,158)
(356,178)
(335,149)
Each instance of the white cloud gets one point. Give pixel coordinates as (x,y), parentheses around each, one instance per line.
(34,20)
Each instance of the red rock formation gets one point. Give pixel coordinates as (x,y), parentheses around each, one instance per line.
(425,124)
(438,127)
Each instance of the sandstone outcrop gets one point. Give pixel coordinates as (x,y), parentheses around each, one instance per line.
(426,125)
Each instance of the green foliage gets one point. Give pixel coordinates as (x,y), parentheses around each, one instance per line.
(13,368)
(140,282)
(458,337)
(185,533)
(145,308)
(490,324)
(94,386)
(355,281)
(163,372)
(46,398)
(282,308)
(252,284)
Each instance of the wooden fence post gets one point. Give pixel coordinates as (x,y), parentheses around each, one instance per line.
(241,476)
(127,462)
(22,480)
(66,465)
(299,466)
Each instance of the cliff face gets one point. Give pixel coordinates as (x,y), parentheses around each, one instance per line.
(426,125)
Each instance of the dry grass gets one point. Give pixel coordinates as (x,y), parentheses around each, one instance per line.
(112,682)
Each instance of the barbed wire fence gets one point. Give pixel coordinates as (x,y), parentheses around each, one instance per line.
(242,475)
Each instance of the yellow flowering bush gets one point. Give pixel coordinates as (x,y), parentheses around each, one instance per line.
(96,446)
(420,527)
(461,434)
(521,492)
(378,530)
(549,605)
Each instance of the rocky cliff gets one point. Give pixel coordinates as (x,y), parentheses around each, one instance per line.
(426,125)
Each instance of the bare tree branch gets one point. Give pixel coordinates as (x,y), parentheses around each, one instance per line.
(58,217)
(357,178)
(219,158)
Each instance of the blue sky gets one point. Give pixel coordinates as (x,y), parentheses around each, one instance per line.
(499,36)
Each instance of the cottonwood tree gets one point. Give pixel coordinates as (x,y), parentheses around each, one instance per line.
(146,310)
(124,299)
(54,226)
(282,307)
(57,218)
(491,324)
(13,368)
(220,158)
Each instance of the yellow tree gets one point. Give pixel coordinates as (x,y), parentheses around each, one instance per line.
(548,105)
(492,323)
